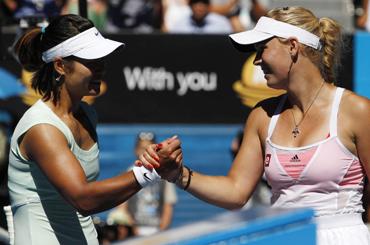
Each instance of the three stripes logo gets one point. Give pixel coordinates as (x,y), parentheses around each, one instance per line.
(295,158)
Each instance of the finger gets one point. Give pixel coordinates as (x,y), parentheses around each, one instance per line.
(146,163)
(153,161)
(152,151)
(138,163)
(175,143)
(171,139)
(179,158)
(171,147)
(176,153)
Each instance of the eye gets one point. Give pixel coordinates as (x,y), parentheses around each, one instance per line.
(260,47)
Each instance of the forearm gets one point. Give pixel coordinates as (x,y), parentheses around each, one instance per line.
(166,216)
(221,191)
(365,5)
(98,196)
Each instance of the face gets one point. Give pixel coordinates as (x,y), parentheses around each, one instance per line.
(275,60)
(200,10)
(84,76)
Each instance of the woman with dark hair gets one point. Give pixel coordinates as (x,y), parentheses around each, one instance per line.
(53,161)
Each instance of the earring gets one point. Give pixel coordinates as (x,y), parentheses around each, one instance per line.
(58,78)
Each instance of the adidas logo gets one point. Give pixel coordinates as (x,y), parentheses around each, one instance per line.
(295,159)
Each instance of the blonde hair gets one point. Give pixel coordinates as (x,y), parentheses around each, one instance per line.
(328,30)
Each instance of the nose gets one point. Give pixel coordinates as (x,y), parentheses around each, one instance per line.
(257,60)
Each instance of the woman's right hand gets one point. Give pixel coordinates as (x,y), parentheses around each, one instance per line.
(166,157)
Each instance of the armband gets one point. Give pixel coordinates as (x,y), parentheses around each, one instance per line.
(145,177)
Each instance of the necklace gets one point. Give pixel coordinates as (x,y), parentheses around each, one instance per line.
(296,131)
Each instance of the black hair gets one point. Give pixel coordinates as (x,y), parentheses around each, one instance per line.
(191,2)
(33,43)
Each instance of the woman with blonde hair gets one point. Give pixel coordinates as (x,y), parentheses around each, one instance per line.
(311,142)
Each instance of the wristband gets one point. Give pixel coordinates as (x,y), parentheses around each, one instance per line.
(145,176)
(189,178)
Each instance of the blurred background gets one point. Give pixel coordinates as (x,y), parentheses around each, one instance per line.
(171,78)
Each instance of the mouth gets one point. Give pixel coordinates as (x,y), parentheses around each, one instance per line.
(95,82)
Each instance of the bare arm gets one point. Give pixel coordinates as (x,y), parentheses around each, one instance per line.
(47,146)
(166,217)
(234,190)
(231,191)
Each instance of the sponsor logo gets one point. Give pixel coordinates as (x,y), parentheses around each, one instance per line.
(295,158)
(96,33)
(147,177)
(267,160)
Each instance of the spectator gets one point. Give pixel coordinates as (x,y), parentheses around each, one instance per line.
(29,8)
(143,16)
(151,209)
(364,21)
(201,20)
(172,11)
(96,11)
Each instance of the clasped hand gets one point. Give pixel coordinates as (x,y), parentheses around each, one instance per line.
(166,157)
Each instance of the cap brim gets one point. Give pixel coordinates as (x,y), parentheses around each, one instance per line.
(244,41)
(99,49)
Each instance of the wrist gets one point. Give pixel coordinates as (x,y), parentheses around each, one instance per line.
(184,179)
(144,176)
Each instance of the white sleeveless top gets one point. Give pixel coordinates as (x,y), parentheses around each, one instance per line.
(41,214)
(324,175)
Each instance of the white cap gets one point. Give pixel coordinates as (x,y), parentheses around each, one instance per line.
(266,28)
(89,44)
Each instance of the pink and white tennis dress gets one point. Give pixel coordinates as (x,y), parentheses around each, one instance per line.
(324,176)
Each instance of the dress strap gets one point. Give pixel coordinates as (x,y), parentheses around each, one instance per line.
(275,117)
(334,112)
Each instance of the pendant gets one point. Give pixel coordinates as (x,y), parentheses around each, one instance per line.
(295,131)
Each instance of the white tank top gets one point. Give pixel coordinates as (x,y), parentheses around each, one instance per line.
(41,214)
(325,175)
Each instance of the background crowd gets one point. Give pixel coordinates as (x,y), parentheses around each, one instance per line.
(165,16)
(144,16)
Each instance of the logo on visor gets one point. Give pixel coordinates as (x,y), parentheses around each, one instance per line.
(96,33)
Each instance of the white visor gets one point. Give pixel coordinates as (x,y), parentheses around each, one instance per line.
(89,44)
(267,28)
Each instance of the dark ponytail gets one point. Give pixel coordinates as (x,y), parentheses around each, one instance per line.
(33,43)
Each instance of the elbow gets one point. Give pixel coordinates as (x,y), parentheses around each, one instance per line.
(236,206)
(84,207)
(238,202)
(82,204)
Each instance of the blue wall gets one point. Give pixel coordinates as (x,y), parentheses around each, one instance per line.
(361,63)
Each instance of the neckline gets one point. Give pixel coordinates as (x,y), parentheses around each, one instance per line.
(332,121)
(304,147)
(69,130)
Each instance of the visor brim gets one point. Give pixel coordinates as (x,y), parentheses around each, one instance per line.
(99,49)
(244,41)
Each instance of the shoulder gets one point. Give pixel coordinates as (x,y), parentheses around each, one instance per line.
(354,113)
(268,106)
(355,105)
(261,114)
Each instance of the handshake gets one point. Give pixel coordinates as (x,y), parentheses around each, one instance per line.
(163,161)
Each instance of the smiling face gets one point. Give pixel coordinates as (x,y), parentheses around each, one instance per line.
(83,77)
(275,60)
